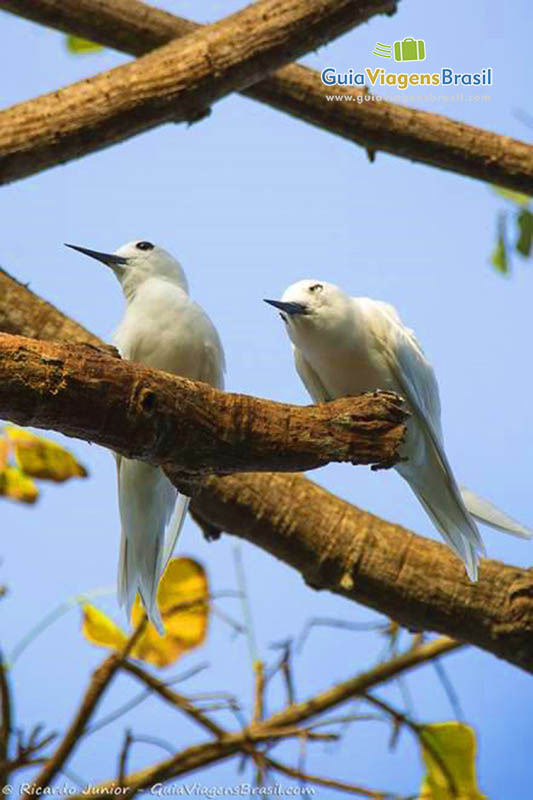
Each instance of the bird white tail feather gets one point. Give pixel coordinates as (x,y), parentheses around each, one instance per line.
(489,514)
(148,505)
(439,494)
(175,526)
(455,537)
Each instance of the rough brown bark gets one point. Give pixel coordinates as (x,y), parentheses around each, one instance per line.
(177,82)
(172,422)
(336,546)
(30,315)
(136,28)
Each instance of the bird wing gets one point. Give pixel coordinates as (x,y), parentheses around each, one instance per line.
(433,481)
(214,364)
(309,377)
(416,373)
(211,370)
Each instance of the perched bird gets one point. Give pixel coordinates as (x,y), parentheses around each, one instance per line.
(162,328)
(348,345)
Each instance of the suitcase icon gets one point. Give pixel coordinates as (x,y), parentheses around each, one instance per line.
(410,50)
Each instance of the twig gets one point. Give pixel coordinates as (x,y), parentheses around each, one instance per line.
(245,602)
(449,689)
(330,783)
(123,758)
(259,692)
(421,736)
(172,697)
(155,741)
(284,666)
(101,679)
(341,624)
(5,725)
(277,725)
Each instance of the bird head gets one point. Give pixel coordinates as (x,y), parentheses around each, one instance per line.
(136,261)
(312,307)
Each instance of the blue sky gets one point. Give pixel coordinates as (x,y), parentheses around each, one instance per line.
(251,200)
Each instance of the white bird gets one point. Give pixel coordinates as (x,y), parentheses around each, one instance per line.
(346,345)
(164,329)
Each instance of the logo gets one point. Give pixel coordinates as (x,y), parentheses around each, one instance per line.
(407,49)
(404,50)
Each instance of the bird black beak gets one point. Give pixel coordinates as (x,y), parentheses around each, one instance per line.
(289,308)
(109,259)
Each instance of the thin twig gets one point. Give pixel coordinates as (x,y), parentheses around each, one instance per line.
(330,783)
(100,681)
(420,733)
(245,601)
(277,725)
(123,758)
(448,687)
(5,725)
(345,625)
(259,692)
(177,700)
(284,666)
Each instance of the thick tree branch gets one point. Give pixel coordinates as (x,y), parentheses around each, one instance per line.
(336,546)
(136,28)
(339,547)
(176,83)
(184,425)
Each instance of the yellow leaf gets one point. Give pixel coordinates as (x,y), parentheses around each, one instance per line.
(449,754)
(42,458)
(77,45)
(5,449)
(182,597)
(17,486)
(99,629)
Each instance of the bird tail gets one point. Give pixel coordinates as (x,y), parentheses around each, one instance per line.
(439,495)
(147,500)
(489,514)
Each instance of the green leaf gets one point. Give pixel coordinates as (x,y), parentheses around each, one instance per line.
(515,197)
(77,45)
(525,228)
(498,258)
(449,754)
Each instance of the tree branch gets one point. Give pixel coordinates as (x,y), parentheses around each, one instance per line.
(184,425)
(279,725)
(176,83)
(136,28)
(336,546)
(170,696)
(102,677)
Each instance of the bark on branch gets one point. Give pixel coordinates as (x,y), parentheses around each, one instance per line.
(136,28)
(176,83)
(336,546)
(184,425)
